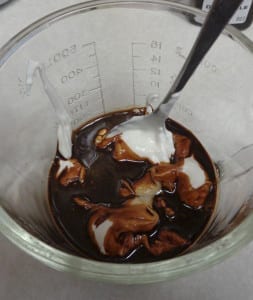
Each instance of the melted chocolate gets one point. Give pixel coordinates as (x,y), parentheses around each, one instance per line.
(101,189)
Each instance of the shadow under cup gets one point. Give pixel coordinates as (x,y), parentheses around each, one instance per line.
(104,56)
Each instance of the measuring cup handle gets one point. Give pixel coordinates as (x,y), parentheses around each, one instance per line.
(237,165)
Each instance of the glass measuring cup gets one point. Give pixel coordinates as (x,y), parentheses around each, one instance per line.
(103,56)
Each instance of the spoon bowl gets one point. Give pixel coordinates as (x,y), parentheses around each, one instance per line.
(215,106)
(216,20)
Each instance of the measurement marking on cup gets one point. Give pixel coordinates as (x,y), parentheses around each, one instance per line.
(91,95)
(79,79)
(99,77)
(91,67)
(71,75)
(75,69)
(61,55)
(139,43)
(206,64)
(134,67)
(132,50)
(139,69)
(95,89)
(87,44)
(147,61)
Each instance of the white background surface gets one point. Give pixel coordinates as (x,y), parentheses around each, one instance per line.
(22,277)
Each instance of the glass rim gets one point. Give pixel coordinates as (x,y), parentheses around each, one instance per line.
(121,273)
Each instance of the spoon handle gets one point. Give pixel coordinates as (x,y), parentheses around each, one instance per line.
(217,18)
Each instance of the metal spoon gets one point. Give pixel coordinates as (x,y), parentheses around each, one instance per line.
(217,18)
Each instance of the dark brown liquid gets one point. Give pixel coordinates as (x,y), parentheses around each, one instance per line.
(101,186)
